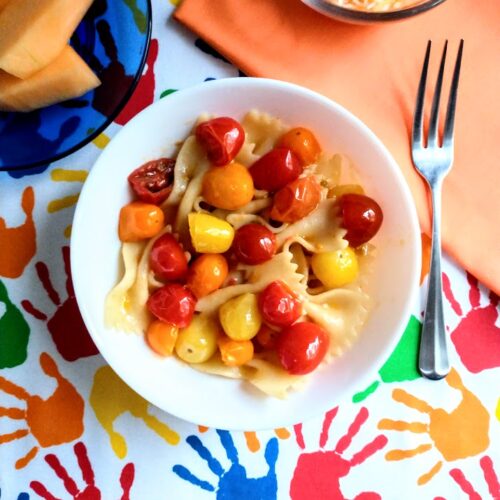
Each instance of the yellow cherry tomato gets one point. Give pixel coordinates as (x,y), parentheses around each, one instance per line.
(229,187)
(235,352)
(206,274)
(303,143)
(343,189)
(139,221)
(210,234)
(161,337)
(335,269)
(240,317)
(197,342)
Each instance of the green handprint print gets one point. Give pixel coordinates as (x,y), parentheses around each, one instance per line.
(402,364)
(14,332)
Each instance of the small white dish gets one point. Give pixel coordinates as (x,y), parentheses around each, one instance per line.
(172,385)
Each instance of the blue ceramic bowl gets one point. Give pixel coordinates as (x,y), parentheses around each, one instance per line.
(113,39)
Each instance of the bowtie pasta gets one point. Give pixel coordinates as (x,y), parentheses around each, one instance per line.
(246,256)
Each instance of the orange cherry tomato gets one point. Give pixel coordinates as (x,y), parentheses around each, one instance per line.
(296,200)
(235,352)
(206,274)
(139,221)
(229,187)
(161,337)
(303,143)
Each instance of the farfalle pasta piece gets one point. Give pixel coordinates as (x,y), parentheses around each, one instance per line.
(263,130)
(279,267)
(271,379)
(121,311)
(189,159)
(320,229)
(238,220)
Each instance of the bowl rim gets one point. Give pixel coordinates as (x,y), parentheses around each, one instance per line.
(110,118)
(412,293)
(336,11)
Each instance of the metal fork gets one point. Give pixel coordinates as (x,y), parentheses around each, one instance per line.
(433,162)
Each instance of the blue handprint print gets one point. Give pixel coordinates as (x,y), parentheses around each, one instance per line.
(233,483)
(21,496)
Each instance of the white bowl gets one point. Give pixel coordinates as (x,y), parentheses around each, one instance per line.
(174,386)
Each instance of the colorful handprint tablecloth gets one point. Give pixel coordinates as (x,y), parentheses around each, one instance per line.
(70,428)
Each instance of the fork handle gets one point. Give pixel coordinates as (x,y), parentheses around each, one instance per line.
(433,360)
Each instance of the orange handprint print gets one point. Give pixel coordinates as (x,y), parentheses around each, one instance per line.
(461,433)
(52,421)
(18,244)
(110,397)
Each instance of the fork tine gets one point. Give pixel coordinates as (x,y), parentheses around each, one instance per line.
(432,138)
(452,101)
(419,107)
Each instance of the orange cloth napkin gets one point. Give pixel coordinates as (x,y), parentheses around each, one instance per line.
(373,71)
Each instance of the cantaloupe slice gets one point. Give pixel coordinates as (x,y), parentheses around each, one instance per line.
(34,32)
(66,77)
(3,3)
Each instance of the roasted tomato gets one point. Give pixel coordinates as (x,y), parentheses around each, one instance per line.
(275,169)
(303,143)
(254,244)
(222,139)
(167,259)
(302,347)
(296,200)
(278,305)
(173,304)
(362,217)
(153,181)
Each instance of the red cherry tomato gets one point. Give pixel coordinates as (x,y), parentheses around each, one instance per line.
(302,347)
(167,259)
(153,181)
(296,200)
(266,338)
(222,138)
(362,217)
(278,305)
(173,304)
(254,244)
(275,169)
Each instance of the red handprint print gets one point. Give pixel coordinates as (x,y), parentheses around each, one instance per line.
(476,338)
(52,421)
(90,491)
(66,325)
(318,474)
(490,478)
(145,92)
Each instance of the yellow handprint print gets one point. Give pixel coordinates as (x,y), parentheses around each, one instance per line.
(458,434)
(110,397)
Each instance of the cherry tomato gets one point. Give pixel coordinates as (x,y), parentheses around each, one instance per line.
(337,268)
(254,244)
(173,304)
(210,234)
(167,259)
(229,187)
(235,352)
(302,347)
(362,217)
(139,221)
(222,138)
(197,343)
(296,200)
(207,274)
(303,143)
(162,337)
(266,338)
(275,169)
(153,181)
(278,305)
